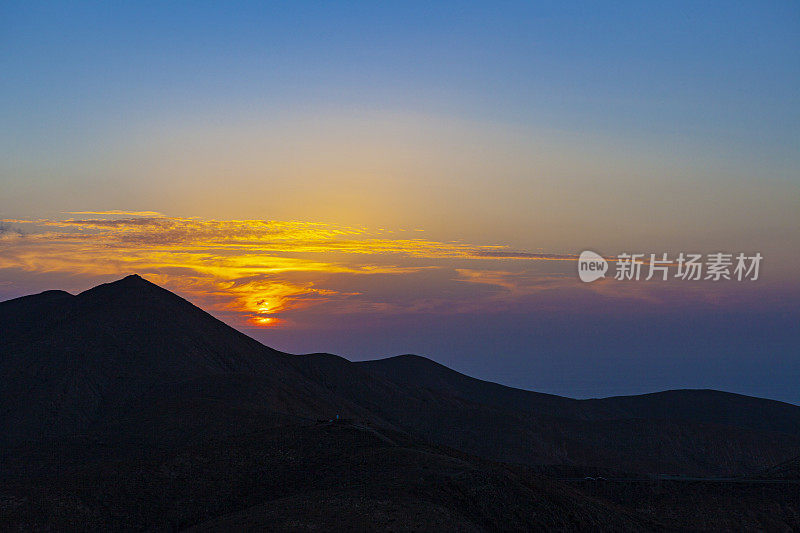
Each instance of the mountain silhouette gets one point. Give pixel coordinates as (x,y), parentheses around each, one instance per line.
(128,381)
(73,364)
(691,405)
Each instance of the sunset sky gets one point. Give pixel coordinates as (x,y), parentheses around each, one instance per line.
(372,179)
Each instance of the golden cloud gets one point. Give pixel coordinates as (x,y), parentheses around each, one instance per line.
(250,269)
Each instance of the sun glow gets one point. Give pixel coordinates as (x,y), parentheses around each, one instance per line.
(251,271)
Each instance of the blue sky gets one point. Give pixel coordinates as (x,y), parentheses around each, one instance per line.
(722,75)
(536,127)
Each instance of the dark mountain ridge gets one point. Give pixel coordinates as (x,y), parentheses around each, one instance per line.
(131,354)
(73,364)
(694,405)
(128,380)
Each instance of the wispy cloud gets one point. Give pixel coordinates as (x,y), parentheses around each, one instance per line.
(251,269)
(267,273)
(127,213)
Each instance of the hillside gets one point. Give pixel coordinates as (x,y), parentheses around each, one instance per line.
(126,406)
(702,406)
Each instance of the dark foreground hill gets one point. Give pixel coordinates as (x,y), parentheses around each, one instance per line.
(126,407)
(317,476)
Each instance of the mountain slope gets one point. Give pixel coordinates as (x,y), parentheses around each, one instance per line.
(137,365)
(127,407)
(300,477)
(789,470)
(700,406)
(73,364)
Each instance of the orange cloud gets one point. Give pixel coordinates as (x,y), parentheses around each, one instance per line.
(128,213)
(250,269)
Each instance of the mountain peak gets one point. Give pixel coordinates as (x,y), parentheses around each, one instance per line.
(134,292)
(133,279)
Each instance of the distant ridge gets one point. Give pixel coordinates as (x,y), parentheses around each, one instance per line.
(695,405)
(130,361)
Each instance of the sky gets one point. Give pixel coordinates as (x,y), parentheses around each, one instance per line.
(371,179)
